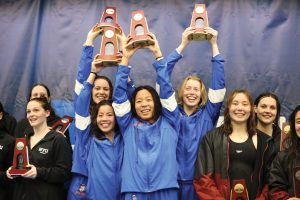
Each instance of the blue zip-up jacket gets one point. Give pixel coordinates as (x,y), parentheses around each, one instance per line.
(149,149)
(194,127)
(102,158)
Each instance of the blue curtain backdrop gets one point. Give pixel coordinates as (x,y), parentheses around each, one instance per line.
(41,41)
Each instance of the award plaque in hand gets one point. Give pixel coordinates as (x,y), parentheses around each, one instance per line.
(199,21)
(138,30)
(109,51)
(284,133)
(62,125)
(296,181)
(239,190)
(109,19)
(21,159)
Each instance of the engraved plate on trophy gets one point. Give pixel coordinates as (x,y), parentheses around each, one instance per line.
(109,19)
(199,21)
(62,124)
(139,30)
(21,159)
(239,190)
(296,181)
(284,133)
(109,51)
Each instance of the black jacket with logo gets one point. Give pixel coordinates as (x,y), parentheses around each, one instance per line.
(52,157)
(7,143)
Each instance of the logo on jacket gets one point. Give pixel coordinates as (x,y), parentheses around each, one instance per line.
(81,190)
(239,151)
(43,151)
(1,147)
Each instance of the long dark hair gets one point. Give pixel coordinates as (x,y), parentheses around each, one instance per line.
(93,105)
(269,94)
(95,129)
(251,125)
(157,104)
(292,142)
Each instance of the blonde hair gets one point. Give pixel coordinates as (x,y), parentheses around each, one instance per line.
(203,93)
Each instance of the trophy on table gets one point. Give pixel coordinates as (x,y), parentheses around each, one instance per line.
(109,51)
(62,124)
(139,30)
(296,181)
(239,190)
(199,21)
(284,133)
(21,159)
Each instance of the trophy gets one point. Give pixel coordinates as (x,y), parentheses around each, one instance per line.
(239,190)
(109,19)
(296,181)
(139,30)
(199,21)
(21,159)
(62,125)
(109,52)
(284,133)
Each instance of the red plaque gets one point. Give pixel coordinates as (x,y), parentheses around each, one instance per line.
(21,159)
(284,133)
(296,181)
(199,21)
(139,30)
(239,190)
(109,19)
(109,52)
(62,125)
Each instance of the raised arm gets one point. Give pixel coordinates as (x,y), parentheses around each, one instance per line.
(84,67)
(216,92)
(121,102)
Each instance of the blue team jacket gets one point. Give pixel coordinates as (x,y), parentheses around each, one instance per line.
(194,127)
(149,149)
(102,159)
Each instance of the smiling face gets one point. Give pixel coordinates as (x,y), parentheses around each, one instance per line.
(266,110)
(106,119)
(101,90)
(240,109)
(36,114)
(297,123)
(192,94)
(144,105)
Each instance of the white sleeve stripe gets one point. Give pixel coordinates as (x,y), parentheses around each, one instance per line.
(170,103)
(122,109)
(216,96)
(78,87)
(157,88)
(82,122)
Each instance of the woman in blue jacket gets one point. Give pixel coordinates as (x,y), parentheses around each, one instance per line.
(199,111)
(150,132)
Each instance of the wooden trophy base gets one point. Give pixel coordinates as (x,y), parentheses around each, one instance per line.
(107,61)
(140,41)
(102,25)
(18,172)
(199,36)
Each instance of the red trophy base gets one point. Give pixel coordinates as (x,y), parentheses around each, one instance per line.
(107,60)
(140,41)
(19,172)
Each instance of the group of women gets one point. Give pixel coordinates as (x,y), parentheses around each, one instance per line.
(141,143)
